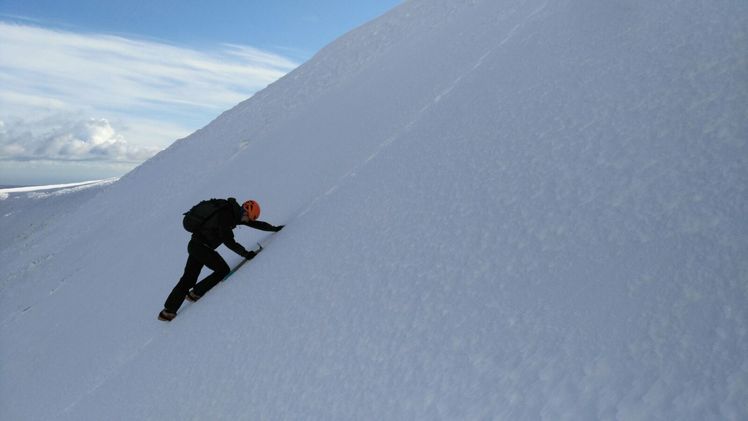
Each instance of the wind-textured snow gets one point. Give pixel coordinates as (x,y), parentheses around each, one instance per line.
(494,209)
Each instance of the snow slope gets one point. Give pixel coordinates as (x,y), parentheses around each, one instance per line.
(495,209)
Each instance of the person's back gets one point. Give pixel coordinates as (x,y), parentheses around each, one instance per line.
(219,226)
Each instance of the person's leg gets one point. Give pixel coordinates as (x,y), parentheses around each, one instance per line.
(191,271)
(220,268)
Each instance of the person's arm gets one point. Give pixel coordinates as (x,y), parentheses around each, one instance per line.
(263,226)
(227,238)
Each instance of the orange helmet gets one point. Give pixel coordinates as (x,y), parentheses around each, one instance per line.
(252,209)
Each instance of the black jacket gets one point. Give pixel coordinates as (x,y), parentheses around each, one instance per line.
(219,228)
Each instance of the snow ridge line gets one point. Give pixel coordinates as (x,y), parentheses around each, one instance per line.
(107,376)
(420,114)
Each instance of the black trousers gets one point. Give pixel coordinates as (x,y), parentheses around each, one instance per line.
(199,255)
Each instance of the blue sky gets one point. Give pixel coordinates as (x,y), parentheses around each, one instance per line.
(91,88)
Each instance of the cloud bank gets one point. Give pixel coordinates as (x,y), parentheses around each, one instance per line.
(89,140)
(76,96)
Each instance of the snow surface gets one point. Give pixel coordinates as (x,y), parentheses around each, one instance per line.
(495,209)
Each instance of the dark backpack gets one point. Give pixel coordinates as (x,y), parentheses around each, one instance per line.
(196,217)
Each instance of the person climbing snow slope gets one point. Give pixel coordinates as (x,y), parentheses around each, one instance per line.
(212,223)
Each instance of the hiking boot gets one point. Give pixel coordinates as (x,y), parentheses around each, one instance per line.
(166,315)
(192,297)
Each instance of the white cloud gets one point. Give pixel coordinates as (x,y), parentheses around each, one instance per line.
(67,95)
(84,140)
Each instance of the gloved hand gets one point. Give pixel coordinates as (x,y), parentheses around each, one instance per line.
(249,255)
(279,227)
